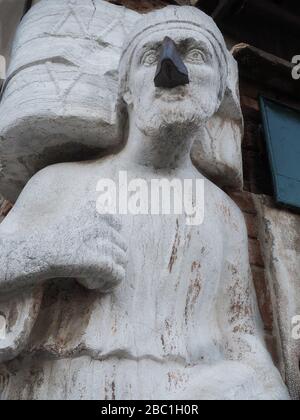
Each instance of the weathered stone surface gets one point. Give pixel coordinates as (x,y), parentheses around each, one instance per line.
(18,314)
(279,234)
(61,87)
(168,308)
(264,298)
(60,97)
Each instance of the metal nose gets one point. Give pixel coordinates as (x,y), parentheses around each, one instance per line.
(171,70)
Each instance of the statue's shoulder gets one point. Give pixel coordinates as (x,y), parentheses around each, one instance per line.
(53,177)
(62,176)
(56,181)
(45,188)
(51,188)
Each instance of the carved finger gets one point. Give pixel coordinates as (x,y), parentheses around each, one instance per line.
(105,279)
(113,222)
(112,251)
(98,235)
(117,274)
(118,240)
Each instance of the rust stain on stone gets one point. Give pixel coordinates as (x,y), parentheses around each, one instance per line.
(63,318)
(109,389)
(163,342)
(195,266)
(168,327)
(225,212)
(189,238)
(174,252)
(113,389)
(176,379)
(114,327)
(241,305)
(193,290)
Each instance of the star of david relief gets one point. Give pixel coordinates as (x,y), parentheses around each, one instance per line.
(62,92)
(83,29)
(90,59)
(66,68)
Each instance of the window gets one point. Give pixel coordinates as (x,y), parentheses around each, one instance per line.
(282,131)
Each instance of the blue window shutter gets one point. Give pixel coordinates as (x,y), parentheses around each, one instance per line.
(282,131)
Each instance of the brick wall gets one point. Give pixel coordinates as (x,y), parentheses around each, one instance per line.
(245,202)
(258,180)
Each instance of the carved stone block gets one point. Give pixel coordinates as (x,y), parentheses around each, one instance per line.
(59,101)
(60,93)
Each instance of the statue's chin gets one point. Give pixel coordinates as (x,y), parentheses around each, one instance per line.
(176,121)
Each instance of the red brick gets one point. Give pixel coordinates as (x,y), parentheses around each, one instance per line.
(272,347)
(248,89)
(250,103)
(255,254)
(257,172)
(263,297)
(252,226)
(244,200)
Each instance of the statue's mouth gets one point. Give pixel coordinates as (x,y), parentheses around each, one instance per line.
(178,93)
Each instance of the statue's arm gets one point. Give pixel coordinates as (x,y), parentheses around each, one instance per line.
(40,241)
(240,317)
(21,233)
(20,294)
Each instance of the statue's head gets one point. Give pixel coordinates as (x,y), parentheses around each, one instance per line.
(174,69)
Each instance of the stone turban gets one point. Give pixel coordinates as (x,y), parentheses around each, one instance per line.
(181,18)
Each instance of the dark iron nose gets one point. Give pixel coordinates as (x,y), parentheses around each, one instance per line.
(171,70)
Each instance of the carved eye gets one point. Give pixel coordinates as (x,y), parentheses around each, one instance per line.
(195,56)
(149,58)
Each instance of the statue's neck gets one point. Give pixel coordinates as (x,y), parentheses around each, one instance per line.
(167,150)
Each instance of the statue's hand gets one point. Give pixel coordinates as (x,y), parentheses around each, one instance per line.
(90,249)
(103,252)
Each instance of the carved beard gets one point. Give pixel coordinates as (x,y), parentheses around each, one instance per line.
(162,116)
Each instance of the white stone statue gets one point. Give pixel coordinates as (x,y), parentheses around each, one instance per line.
(171,310)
